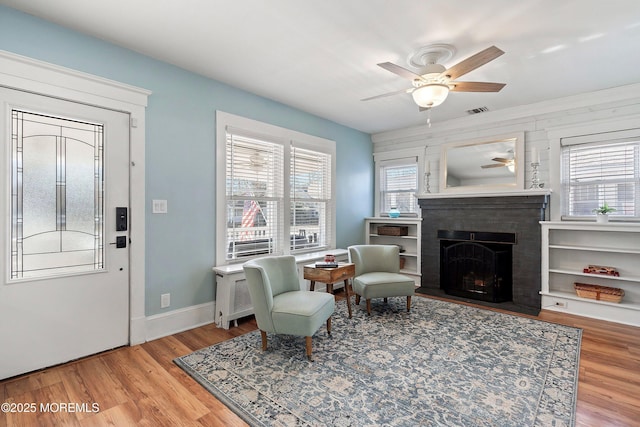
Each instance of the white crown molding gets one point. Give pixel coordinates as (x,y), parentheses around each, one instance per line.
(523,112)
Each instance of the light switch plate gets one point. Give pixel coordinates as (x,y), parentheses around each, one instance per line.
(165,300)
(159,206)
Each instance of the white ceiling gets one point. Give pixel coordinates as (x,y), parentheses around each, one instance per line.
(320,56)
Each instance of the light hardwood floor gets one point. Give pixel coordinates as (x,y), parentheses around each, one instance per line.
(141,385)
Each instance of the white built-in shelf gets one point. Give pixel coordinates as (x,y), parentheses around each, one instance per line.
(568,247)
(597,277)
(410,243)
(596,249)
(395,237)
(574,297)
(413,254)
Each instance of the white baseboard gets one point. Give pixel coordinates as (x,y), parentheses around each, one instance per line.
(172,322)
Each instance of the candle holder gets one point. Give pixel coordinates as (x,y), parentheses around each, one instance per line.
(535,180)
(427,187)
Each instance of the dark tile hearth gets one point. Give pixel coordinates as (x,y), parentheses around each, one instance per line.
(508,305)
(517,214)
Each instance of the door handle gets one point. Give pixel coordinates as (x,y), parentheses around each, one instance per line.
(121,242)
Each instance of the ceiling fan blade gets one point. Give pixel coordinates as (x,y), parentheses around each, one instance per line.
(501,160)
(476,86)
(398,70)
(495,165)
(472,62)
(389,94)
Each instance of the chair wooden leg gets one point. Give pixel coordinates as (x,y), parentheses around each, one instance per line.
(308,339)
(386,300)
(263,334)
(409,303)
(329,325)
(369,306)
(357,299)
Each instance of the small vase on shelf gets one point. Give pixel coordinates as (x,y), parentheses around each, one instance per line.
(394,212)
(602,213)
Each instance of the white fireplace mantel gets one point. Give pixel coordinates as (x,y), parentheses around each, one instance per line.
(454,195)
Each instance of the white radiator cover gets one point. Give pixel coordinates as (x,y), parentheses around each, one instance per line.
(232,294)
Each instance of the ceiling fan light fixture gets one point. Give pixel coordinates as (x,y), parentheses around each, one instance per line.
(430,95)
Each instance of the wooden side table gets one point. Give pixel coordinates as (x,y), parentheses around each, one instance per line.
(343,272)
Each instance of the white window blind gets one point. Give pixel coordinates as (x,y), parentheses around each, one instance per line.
(254,195)
(310,192)
(399,185)
(596,170)
(278,191)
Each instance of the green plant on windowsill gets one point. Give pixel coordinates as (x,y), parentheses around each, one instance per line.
(604,209)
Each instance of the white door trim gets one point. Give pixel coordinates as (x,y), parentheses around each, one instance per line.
(23,73)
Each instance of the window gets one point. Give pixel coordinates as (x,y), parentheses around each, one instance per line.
(254,195)
(310,192)
(278,192)
(398,184)
(597,169)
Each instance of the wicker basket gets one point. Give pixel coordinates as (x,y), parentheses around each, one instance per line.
(402,262)
(393,230)
(600,293)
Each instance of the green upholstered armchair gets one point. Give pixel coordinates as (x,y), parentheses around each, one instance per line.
(377,274)
(280,306)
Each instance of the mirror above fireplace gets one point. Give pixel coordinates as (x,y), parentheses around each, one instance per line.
(483,165)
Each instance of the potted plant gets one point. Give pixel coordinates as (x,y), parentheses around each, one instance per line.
(602,213)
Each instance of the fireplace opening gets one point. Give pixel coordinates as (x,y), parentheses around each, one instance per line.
(476,265)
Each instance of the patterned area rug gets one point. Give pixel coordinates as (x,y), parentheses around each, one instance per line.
(443,364)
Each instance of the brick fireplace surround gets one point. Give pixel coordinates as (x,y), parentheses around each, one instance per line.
(509,212)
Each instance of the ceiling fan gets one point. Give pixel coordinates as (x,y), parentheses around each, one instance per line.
(431,87)
(501,162)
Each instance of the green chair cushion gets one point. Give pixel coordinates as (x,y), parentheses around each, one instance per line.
(301,312)
(382,284)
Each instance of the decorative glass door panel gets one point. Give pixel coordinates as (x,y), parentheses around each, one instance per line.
(57,188)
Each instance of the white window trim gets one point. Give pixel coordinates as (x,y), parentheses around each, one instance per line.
(389,157)
(301,140)
(555,135)
(23,73)
(599,140)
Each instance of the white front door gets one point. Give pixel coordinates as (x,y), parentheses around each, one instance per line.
(64,287)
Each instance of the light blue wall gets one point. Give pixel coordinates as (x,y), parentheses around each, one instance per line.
(180,151)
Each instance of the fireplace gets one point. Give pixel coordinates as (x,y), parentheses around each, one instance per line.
(516,214)
(476,265)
